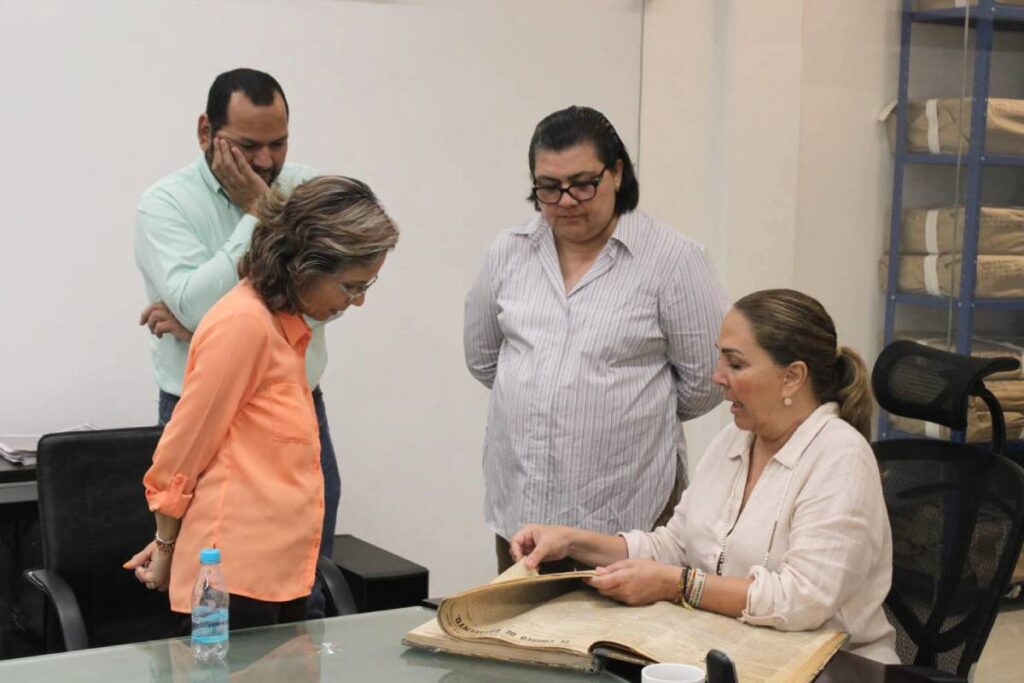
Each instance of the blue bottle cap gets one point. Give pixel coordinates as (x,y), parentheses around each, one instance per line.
(209,556)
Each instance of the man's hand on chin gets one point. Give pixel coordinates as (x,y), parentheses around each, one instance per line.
(242,184)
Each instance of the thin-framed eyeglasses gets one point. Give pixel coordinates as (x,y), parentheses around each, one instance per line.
(581,190)
(353,292)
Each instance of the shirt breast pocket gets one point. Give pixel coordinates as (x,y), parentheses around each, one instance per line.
(292,418)
(632,332)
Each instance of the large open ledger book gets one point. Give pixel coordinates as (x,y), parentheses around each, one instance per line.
(556,620)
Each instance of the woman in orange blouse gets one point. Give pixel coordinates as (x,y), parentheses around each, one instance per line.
(238,466)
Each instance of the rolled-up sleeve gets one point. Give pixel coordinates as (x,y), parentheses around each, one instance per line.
(664,544)
(690,313)
(838,527)
(482,337)
(226,362)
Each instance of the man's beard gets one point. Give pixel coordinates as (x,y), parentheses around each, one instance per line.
(268,178)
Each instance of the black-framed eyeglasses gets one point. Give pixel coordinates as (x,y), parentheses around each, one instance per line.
(581,190)
(353,292)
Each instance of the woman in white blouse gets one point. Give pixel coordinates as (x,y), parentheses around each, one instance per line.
(784,523)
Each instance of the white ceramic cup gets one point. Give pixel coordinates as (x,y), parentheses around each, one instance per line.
(672,673)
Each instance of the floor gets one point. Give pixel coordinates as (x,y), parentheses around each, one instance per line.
(1002,660)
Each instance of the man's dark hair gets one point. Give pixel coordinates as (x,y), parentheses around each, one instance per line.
(259,87)
(569,127)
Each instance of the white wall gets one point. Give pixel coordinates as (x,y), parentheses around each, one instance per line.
(759,138)
(432,103)
(720,128)
(756,131)
(851,65)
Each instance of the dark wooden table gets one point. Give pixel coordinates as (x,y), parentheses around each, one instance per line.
(850,668)
(17,483)
(842,668)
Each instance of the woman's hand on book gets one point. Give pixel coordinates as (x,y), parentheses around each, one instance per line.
(637,582)
(539,543)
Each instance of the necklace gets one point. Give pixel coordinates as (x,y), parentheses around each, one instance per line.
(730,522)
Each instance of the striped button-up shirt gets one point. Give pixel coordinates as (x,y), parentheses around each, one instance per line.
(589,387)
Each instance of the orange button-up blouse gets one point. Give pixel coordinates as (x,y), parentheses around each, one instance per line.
(239,462)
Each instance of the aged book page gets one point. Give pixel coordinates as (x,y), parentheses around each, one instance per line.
(431,637)
(556,612)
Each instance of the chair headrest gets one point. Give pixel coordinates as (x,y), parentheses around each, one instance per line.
(928,384)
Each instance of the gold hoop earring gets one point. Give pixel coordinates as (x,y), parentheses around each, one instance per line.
(787,401)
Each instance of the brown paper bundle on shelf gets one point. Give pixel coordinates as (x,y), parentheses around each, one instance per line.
(998,277)
(1010,395)
(934,126)
(949,4)
(979,427)
(931,231)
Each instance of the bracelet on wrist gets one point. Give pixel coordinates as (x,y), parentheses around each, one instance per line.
(681,589)
(695,588)
(164,546)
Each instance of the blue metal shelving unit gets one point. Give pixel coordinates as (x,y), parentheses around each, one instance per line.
(985,19)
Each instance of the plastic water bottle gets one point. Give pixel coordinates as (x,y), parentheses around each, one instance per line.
(216,671)
(209,609)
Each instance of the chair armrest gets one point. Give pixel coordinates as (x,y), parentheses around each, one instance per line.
(65,604)
(339,597)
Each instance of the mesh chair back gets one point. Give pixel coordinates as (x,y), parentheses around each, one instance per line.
(94,517)
(957,517)
(928,384)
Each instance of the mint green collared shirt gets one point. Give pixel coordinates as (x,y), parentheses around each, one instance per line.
(189,238)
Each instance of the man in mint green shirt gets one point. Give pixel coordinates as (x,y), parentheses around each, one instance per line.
(194,225)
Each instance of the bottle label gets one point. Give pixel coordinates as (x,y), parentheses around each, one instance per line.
(209,625)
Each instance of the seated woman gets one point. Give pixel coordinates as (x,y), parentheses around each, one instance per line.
(784,523)
(238,466)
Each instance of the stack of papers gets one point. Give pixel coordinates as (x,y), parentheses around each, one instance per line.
(20,449)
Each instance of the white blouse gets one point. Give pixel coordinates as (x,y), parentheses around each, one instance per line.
(814,534)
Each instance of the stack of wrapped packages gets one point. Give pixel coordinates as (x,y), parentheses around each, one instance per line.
(943,125)
(930,246)
(931,239)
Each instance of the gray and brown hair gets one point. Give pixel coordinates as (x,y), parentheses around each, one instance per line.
(792,326)
(326,225)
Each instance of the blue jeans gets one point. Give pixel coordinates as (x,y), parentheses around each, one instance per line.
(332,484)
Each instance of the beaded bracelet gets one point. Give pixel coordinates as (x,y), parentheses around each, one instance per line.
(695,588)
(164,546)
(685,576)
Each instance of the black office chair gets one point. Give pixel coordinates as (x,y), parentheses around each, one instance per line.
(93,516)
(956,510)
(337,593)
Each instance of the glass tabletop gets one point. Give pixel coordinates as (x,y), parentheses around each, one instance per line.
(361,647)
